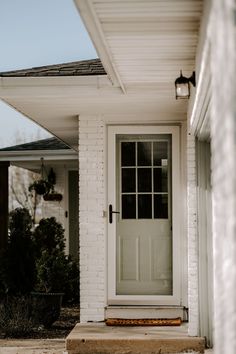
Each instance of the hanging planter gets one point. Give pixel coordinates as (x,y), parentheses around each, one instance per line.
(57,197)
(40,187)
(45,184)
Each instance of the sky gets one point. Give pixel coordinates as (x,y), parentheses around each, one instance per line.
(35,33)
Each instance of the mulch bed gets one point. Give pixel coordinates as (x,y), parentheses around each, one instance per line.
(60,329)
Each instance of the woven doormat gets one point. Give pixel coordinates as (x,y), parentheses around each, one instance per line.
(143,322)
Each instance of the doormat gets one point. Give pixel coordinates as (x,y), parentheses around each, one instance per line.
(143,322)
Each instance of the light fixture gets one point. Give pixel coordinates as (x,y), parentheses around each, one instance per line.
(182,87)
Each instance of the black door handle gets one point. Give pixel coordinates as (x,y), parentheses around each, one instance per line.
(112,212)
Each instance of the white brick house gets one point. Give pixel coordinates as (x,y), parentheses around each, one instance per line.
(166,166)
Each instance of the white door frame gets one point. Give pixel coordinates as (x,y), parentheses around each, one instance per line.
(173,299)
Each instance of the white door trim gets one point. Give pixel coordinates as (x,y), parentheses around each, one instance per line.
(111,228)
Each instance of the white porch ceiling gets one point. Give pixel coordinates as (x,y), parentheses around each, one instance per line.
(146,42)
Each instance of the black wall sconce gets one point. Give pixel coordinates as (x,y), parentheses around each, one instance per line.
(182,87)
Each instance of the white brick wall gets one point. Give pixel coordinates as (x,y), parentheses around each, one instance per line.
(223,131)
(192,238)
(91,221)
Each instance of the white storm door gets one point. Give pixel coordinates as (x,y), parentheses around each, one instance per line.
(143,173)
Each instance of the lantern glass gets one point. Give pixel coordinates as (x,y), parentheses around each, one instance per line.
(182,90)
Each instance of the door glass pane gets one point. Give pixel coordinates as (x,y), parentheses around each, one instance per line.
(160,153)
(144,180)
(128,154)
(160,206)
(145,206)
(129,206)
(160,180)
(128,180)
(144,153)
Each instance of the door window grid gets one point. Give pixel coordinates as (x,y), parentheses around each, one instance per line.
(164,166)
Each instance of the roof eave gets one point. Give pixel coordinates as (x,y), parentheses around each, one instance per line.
(96,35)
(35,155)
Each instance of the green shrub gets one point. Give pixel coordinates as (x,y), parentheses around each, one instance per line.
(49,236)
(72,284)
(51,271)
(56,272)
(18,272)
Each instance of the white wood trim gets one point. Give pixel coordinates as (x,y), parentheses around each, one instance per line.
(29,81)
(199,112)
(34,155)
(183,216)
(89,17)
(204,199)
(145,312)
(111,228)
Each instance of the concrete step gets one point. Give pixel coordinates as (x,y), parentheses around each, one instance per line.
(100,339)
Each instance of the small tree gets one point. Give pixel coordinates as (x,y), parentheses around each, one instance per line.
(56,272)
(49,236)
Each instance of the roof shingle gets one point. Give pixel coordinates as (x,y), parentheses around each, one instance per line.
(77,68)
(44,144)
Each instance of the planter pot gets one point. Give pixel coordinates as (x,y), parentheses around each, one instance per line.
(53,197)
(46,307)
(40,190)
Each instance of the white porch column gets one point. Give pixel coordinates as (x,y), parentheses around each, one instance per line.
(91,221)
(193,297)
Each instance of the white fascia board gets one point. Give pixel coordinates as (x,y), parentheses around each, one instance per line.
(198,111)
(93,26)
(56,86)
(85,80)
(36,155)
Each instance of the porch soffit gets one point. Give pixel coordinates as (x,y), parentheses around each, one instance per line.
(146,42)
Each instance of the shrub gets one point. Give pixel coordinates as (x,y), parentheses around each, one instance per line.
(40,187)
(18,270)
(56,272)
(49,236)
(72,284)
(51,271)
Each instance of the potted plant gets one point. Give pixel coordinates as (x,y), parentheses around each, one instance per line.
(53,270)
(53,196)
(40,187)
(45,183)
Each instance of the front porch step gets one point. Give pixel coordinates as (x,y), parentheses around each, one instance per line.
(136,312)
(99,339)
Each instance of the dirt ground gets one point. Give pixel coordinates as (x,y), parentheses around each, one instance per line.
(60,329)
